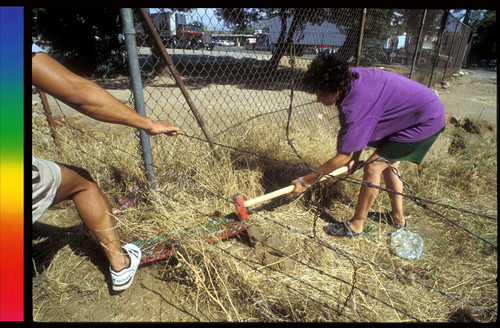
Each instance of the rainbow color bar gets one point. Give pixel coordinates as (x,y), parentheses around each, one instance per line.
(11,164)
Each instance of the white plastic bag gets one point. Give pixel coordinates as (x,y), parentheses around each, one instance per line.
(407,244)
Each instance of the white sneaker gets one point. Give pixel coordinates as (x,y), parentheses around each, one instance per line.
(123,278)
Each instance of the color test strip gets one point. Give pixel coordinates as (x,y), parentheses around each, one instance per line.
(11,164)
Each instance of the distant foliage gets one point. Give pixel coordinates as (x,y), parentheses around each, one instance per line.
(85,39)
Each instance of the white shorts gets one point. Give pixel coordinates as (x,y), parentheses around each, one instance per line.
(45,180)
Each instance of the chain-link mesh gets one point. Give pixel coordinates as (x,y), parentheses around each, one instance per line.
(239,86)
(224,83)
(234,78)
(229,85)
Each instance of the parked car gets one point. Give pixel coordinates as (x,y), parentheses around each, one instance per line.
(224,43)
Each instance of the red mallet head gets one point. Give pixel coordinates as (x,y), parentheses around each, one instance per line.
(240,210)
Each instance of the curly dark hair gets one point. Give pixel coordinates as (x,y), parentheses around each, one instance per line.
(327,71)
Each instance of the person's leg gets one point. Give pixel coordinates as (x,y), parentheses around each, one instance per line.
(367,194)
(94,209)
(393,182)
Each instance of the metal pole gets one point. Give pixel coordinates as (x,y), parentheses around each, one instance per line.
(50,120)
(469,44)
(460,47)
(361,32)
(436,60)
(418,43)
(451,49)
(173,71)
(135,74)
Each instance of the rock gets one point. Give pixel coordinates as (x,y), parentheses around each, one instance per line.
(467,124)
(457,144)
(278,262)
(287,264)
(445,84)
(269,259)
(274,242)
(275,245)
(456,121)
(313,253)
(471,126)
(255,234)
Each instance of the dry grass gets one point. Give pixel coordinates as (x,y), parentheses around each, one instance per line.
(287,274)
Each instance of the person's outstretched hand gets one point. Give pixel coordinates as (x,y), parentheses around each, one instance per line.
(162,127)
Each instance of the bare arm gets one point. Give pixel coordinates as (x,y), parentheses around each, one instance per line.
(89,98)
(339,160)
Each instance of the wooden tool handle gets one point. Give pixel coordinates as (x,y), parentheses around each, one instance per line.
(289,189)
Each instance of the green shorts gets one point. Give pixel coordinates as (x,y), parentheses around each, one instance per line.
(412,151)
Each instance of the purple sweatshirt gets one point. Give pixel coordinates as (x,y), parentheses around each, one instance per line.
(386,106)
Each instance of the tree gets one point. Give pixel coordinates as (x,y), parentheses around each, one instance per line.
(242,17)
(484,46)
(87,38)
(285,38)
(380,24)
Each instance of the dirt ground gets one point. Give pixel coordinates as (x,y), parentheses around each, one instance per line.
(473,95)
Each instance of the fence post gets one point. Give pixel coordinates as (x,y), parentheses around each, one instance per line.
(444,19)
(417,45)
(135,75)
(451,47)
(361,31)
(460,46)
(50,120)
(468,46)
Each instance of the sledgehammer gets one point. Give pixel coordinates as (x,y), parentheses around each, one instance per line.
(241,204)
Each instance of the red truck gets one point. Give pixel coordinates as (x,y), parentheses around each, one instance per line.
(177,33)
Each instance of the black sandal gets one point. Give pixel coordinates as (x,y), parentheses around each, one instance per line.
(396,225)
(341,229)
(386,218)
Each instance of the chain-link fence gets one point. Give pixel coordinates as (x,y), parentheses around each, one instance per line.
(208,77)
(219,79)
(198,70)
(223,87)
